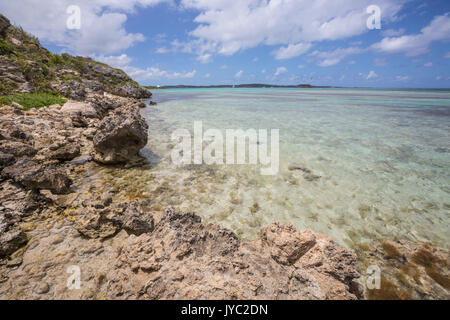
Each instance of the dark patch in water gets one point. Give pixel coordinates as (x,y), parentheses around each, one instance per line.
(435,112)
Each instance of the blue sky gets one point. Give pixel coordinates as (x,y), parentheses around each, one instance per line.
(162,42)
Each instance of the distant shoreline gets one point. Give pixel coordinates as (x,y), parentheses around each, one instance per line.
(269,86)
(256,85)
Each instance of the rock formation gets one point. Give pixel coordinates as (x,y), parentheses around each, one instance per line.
(182,259)
(120,136)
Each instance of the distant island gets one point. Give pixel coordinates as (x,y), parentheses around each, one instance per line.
(252,85)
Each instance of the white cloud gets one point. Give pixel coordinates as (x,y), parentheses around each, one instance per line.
(205,58)
(402,78)
(428,64)
(380,62)
(291,51)
(280,71)
(372,75)
(239,74)
(393,32)
(227,27)
(208,75)
(115,61)
(330,58)
(447,55)
(301,66)
(255,59)
(263,71)
(162,50)
(224,67)
(123,62)
(156,73)
(102,23)
(417,44)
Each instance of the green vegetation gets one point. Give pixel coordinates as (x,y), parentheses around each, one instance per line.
(34,100)
(49,73)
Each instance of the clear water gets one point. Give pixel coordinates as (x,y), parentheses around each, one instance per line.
(379,159)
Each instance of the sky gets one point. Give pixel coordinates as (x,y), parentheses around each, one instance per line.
(202,42)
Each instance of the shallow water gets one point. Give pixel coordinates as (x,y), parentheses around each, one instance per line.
(376,162)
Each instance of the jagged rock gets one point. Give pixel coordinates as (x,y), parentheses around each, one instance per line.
(100,220)
(36,176)
(74,108)
(409,270)
(182,259)
(132,91)
(287,245)
(65,153)
(6,159)
(71,89)
(134,220)
(11,241)
(78,121)
(16,148)
(120,136)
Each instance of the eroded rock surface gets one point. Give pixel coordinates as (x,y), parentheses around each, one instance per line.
(182,259)
(120,136)
(409,270)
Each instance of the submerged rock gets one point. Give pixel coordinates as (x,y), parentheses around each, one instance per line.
(409,270)
(120,136)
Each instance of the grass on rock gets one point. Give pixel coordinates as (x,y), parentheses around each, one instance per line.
(33,100)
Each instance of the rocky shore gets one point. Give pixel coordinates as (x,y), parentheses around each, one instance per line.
(125,249)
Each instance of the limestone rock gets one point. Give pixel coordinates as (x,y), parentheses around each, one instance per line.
(285,244)
(10,241)
(17,148)
(183,259)
(6,159)
(75,108)
(100,220)
(120,136)
(36,176)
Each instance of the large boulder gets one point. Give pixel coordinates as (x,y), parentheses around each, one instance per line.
(120,136)
(35,176)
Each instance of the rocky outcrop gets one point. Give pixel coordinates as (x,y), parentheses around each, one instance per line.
(25,66)
(120,136)
(182,259)
(409,270)
(4,24)
(75,109)
(35,176)
(103,219)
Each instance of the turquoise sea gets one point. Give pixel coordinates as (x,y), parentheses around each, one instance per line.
(375,163)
